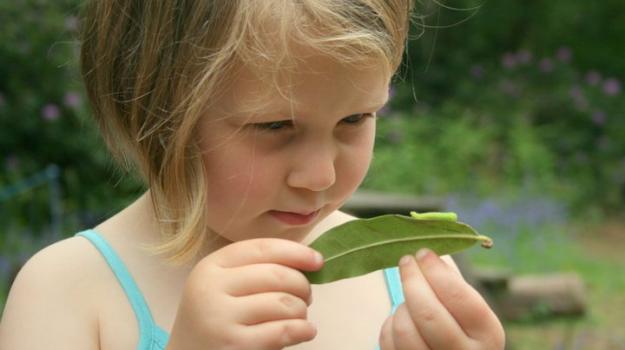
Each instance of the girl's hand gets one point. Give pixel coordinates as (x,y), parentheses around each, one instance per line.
(441,312)
(247,295)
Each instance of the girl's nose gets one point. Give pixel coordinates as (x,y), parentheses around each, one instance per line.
(313,170)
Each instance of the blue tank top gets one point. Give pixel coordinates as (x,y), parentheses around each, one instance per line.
(151,336)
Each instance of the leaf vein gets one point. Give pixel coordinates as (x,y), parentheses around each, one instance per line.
(406,239)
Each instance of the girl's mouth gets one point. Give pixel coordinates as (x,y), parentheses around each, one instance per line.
(294,219)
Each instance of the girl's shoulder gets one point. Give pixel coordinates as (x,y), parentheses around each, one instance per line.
(339,217)
(54,294)
(72,260)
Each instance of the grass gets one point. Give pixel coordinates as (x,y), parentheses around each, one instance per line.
(594,252)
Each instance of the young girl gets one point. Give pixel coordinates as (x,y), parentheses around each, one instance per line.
(251,123)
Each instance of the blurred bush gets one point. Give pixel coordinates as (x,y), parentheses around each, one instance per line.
(510,95)
(456,34)
(44,120)
(520,122)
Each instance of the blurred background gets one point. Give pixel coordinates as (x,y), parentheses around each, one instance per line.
(510,112)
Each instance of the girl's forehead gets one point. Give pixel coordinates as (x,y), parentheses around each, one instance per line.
(314,80)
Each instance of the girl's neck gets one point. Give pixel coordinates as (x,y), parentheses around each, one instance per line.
(142,213)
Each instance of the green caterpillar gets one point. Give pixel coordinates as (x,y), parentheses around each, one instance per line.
(446,216)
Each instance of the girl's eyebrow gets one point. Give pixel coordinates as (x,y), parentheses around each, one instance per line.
(275,111)
(377,106)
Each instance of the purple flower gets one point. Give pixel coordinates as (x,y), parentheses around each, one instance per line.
(508,60)
(477,71)
(510,88)
(576,92)
(72,99)
(524,56)
(580,103)
(611,87)
(546,65)
(598,117)
(579,99)
(392,91)
(593,78)
(50,112)
(386,110)
(564,54)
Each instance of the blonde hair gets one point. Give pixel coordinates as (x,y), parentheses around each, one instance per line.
(152,68)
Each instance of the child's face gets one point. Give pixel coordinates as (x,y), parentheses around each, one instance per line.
(273,173)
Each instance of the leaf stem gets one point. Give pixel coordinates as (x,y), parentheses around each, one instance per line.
(487,242)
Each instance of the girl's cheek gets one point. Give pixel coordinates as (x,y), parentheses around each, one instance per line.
(353,167)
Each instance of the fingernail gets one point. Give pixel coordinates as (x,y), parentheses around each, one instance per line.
(423,253)
(405,260)
(314,328)
(318,258)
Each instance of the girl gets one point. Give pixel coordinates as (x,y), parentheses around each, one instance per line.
(251,123)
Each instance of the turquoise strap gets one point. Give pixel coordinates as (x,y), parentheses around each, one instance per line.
(147,328)
(161,338)
(393,282)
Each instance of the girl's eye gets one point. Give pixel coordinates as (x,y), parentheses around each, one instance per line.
(274,126)
(356,118)
(283,125)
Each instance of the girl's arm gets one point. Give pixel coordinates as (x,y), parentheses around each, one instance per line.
(47,306)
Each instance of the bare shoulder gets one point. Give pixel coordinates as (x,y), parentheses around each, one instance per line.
(50,302)
(335,219)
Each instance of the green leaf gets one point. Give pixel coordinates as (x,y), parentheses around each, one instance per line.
(366,245)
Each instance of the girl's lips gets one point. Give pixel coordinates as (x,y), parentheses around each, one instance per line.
(294,218)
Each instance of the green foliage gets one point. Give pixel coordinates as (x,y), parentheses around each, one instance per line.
(458,150)
(510,98)
(453,40)
(44,118)
(553,130)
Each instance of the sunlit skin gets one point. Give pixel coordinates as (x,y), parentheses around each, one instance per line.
(300,155)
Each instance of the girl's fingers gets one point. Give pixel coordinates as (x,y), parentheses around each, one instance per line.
(278,334)
(436,325)
(463,302)
(386,335)
(405,334)
(265,307)
(268,250)
(262,278)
